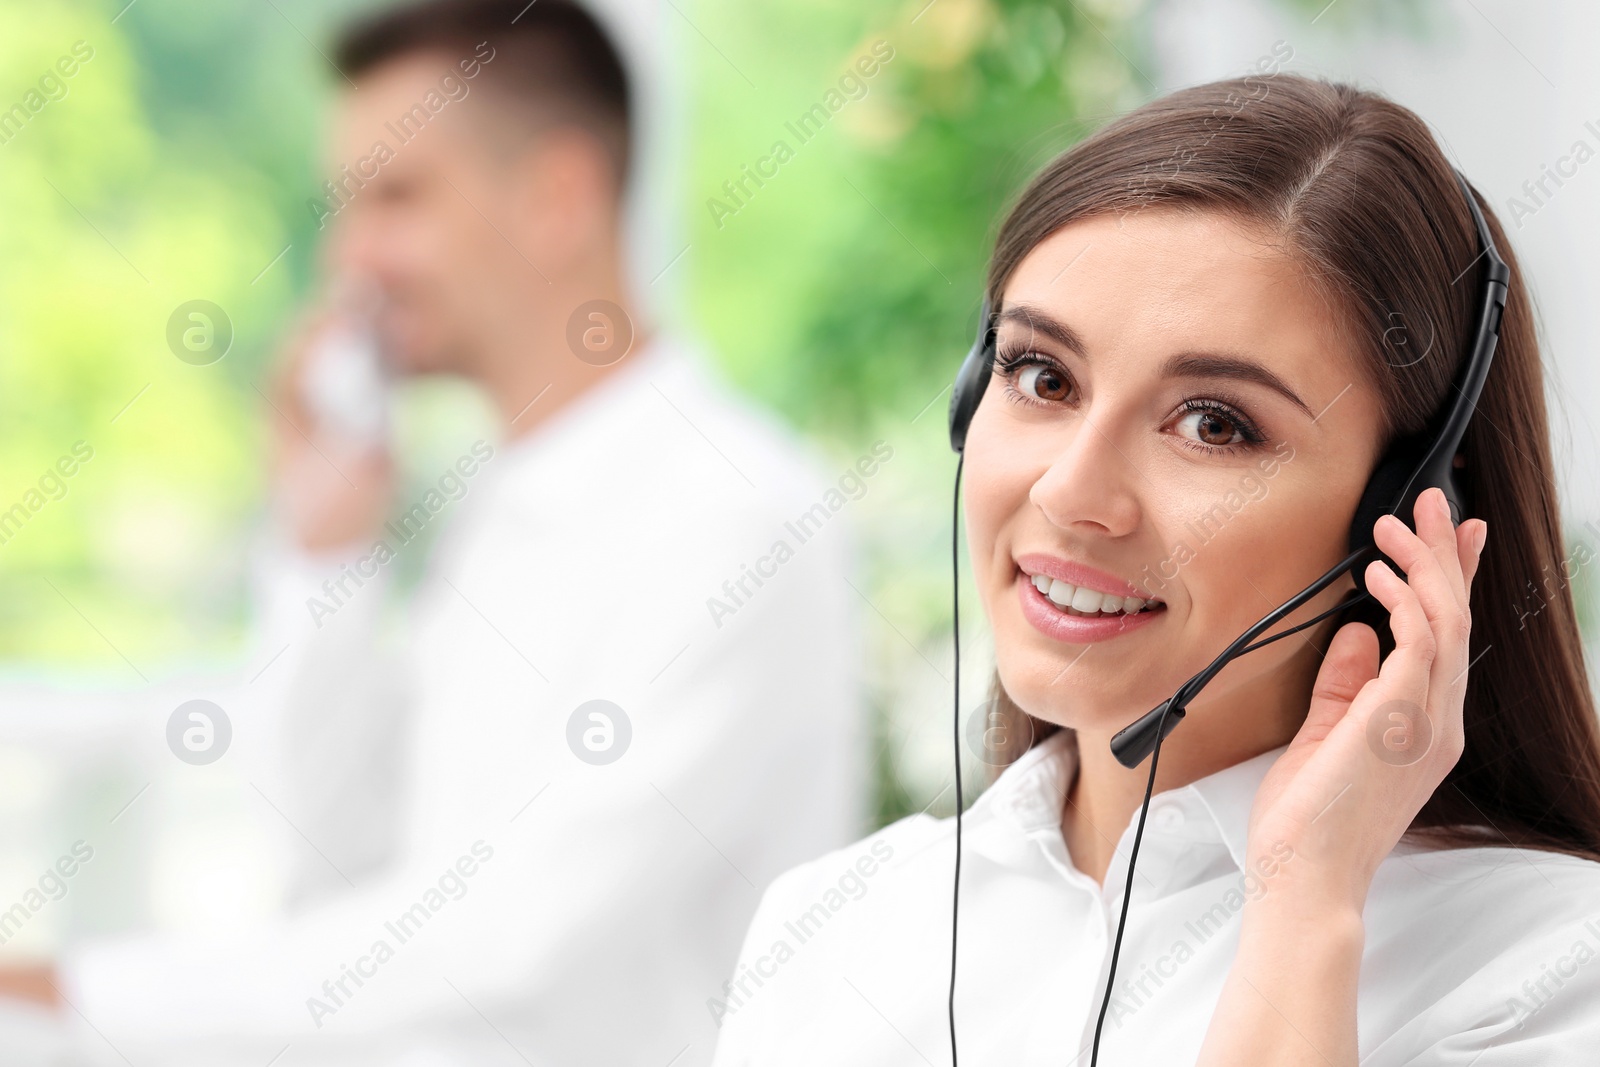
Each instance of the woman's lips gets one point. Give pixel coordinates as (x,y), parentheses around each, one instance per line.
(1076,629)
(1078,574)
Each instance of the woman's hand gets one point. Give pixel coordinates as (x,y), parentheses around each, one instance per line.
(1375,745)
(1377,742)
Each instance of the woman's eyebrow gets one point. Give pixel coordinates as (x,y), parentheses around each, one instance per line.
(1035,319)
(1207,365)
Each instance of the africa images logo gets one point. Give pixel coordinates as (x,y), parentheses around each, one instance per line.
(452,485)
(450,885)
(852,485)
(405,128)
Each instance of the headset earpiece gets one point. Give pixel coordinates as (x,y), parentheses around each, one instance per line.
(972,379)
(1399,479)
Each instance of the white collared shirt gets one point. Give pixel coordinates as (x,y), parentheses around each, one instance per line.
(1486,956)
(569,912)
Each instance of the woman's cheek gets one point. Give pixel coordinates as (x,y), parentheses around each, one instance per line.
(1258,557)
(985,516)
(995,491)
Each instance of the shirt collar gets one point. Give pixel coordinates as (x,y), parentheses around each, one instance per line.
(606,410)
(1230,793)
(1029,793)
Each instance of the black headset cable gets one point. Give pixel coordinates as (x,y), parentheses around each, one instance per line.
(955,738)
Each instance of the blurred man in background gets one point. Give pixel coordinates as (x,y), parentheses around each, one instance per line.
(627,694)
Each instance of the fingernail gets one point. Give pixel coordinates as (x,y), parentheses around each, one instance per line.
(1483,535)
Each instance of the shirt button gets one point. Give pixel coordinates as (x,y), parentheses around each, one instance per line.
(1168,818)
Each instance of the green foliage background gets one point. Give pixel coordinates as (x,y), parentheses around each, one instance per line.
(178,166)
(172,169)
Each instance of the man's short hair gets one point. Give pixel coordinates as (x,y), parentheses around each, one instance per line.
(550,57)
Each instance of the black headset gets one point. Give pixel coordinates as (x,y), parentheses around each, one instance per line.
(1407,469)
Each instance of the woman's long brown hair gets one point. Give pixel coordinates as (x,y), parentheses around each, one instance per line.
(1361,195)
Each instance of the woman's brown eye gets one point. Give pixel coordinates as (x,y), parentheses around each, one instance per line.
(1210,428)
(1042,383)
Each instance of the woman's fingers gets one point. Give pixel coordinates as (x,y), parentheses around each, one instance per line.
(1470,539)
(1470,547)
(1349,664)
(1428,556)
(1436,530)
(1407,693)
(1439,561)
(1441,594)
(1406,671)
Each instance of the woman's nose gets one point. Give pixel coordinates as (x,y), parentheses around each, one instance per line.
(1091,482)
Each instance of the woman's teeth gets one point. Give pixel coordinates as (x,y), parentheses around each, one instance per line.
(1081,601)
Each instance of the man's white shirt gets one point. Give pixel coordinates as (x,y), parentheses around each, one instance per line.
(529,901)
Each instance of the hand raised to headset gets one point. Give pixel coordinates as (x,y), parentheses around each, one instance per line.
(1377,742)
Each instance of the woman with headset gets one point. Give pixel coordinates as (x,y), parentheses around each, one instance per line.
(1232,332)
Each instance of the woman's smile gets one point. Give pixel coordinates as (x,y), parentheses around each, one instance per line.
(1077,604)
(1074,625)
